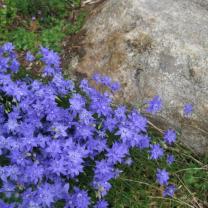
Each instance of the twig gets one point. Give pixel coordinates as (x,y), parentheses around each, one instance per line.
(173,199)
(196,127)
(185,169)
(140,182)
(197,161)
(155,127)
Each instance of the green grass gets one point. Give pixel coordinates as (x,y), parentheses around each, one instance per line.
(23,39)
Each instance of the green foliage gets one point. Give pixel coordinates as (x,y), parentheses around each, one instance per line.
(75,3)
(197,179)
(23,39)
(52,37)
(74,28)
(41,7)
(7,16)
(52,22)
(59,204)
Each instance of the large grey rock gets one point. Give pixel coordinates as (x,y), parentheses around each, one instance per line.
(155,48)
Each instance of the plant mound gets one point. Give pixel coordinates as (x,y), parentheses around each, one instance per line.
(61,142)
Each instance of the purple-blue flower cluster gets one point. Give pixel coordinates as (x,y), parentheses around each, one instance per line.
(53,132)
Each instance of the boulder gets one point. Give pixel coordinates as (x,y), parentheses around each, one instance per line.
(154,48)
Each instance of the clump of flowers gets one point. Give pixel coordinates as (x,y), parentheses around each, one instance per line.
(62,141)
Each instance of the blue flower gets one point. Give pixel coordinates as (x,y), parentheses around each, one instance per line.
(50,57)
(86,117)
(120,113)
(106,81)
(169,191)
(143,141)
(156,152)
(4,205)
(61,85)
(97,78)
(80,199)
(154,105)
(46,195)
(29,57)
(187,109)
(101,204)
(3,64)
(115,86)
(49,71)
(8,47)
(14,65)
(110,124)
(125,133)
(77,102)
(162,176)
(128,161)
(170,136)
(117,153)
(138,122)
(170,159)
